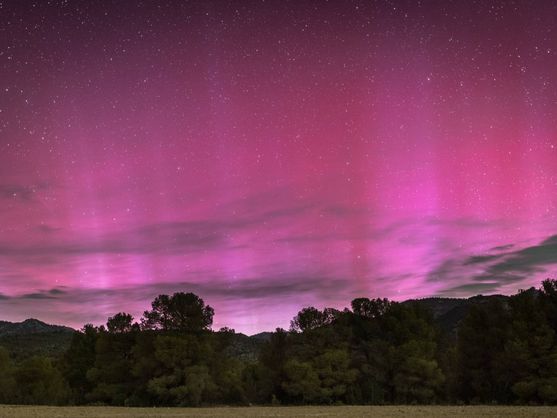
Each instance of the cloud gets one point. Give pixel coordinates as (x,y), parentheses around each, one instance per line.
(167,237)
(489,272)
(20,192)
(345,211)
(47,229)
(38,295)
(479,259)
(220,289)
(251,296)
(280,288)
(164,237)
(13,191)
(503,247)
(501,279)
(53,293)
(463,222)
(473,288)
(527,260)
(407,231)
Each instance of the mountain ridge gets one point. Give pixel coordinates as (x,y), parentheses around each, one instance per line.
(33,336)
(30,326)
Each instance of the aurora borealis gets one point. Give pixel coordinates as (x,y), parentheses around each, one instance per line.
(272,155)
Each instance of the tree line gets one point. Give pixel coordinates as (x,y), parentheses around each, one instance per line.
(376,352)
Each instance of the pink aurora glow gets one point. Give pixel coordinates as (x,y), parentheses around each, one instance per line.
(273,156)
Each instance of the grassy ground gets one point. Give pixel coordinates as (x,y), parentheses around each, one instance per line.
(340,411)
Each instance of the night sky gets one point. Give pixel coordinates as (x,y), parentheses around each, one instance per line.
(273,155)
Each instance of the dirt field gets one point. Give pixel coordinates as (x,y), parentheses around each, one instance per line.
(340,411)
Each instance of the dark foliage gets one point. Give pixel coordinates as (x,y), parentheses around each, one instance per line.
(481,350)
(181,312)
(34,338)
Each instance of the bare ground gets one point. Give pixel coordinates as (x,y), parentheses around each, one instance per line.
(310,411)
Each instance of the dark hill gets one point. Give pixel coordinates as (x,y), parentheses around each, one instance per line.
(448,312)
(30,337)
(30,326)
(262,336)
(243,347)
(34,337)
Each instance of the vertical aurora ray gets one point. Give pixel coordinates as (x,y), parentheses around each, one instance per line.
(272,156)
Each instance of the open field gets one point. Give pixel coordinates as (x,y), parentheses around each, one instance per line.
(287,412)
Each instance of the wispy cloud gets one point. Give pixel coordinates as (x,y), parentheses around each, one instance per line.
(19,192)
(491,272)
(162,237)
(528,260)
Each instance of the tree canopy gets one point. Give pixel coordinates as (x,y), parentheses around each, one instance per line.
(504,350)
(181,312)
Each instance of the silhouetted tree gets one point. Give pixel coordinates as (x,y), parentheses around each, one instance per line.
(324,379)
(120,323)
(111,375)
(8,382)
(504,350)
(530,350)
(482,336)
(370,308)
(77,361)
(183,376)
(181,312)
(39,382)
(312,318)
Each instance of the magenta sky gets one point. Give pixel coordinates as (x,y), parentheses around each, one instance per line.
(273,155)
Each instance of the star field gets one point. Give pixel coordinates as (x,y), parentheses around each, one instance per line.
(270,155)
